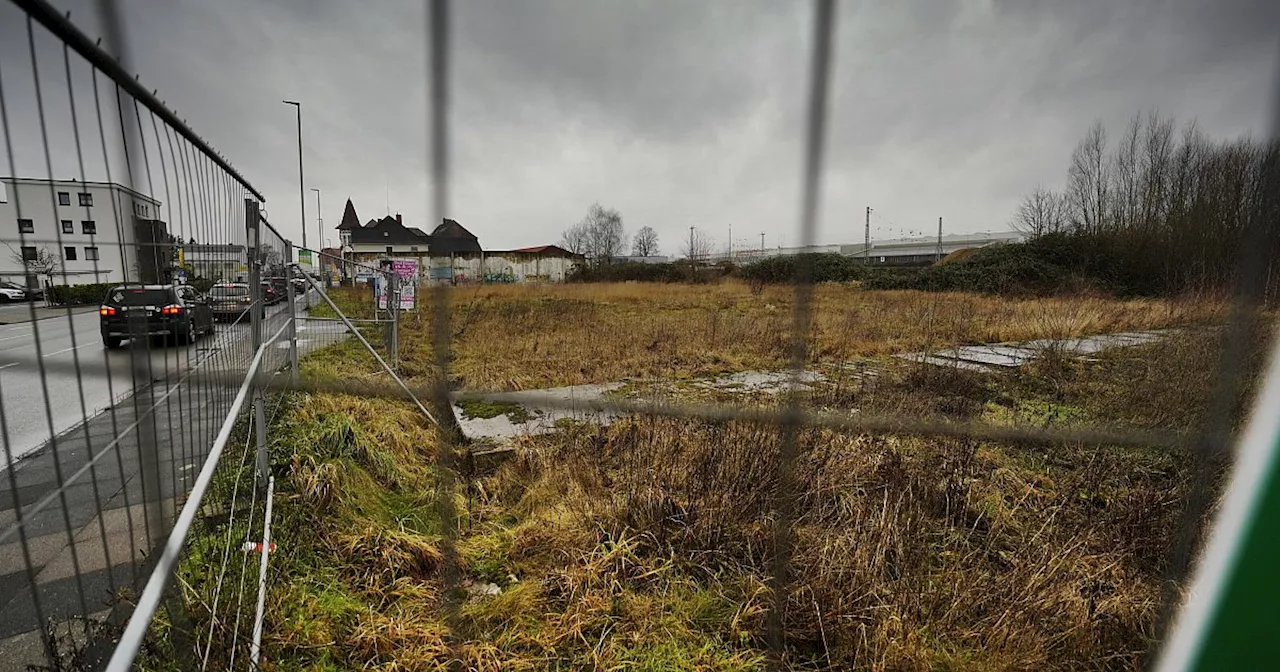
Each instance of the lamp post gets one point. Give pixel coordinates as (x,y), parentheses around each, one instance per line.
(302,191)
(319,221)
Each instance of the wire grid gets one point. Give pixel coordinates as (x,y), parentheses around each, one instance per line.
(111,393)
(196,168)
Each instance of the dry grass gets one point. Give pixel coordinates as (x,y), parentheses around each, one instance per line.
(646,545)
(509,337)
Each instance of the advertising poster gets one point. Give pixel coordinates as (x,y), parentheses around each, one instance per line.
(407,271)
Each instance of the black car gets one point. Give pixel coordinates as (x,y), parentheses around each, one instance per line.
(230,300)
(178,311)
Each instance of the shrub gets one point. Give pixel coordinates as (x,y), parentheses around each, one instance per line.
(827,267)
(632,271)
(72,295)
(75,295)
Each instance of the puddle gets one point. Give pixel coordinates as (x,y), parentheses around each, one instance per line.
(1012,355)
(525,413)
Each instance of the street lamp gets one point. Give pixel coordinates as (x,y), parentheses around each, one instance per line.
(319,221)
(302,191)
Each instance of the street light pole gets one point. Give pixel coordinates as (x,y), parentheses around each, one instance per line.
(319,223)
(302,190)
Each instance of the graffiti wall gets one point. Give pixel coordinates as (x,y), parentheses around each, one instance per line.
(510,267)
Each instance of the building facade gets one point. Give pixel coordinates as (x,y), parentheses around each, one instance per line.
(449,254)
(71,232)
(216,262)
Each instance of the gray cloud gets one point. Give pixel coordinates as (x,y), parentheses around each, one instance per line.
(688,114)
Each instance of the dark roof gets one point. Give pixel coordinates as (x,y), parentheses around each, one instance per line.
(451,237)
(387,231)
(349,218)
(549,250)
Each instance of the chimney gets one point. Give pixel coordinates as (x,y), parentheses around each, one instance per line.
(399,220)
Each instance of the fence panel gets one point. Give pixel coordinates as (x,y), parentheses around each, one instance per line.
(127,332)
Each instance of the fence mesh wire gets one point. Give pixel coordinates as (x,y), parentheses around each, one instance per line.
(160,322)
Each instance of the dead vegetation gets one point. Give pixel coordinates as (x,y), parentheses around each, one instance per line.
(512,337)
(646,545)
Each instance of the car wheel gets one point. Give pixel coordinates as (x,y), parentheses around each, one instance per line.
(112,342)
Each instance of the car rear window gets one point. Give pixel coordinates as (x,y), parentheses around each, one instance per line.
(124,296)
(229,292)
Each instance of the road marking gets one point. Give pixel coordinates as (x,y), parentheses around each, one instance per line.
(10,338)
(59,352)
(5,366)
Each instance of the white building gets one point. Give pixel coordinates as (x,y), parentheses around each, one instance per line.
(88,230)
(895,252)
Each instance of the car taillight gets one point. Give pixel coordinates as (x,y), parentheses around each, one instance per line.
(106,311)
(173,309)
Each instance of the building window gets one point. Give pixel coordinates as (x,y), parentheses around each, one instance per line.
(68,226)
(413,248)
(29,253)
(69,254)
(91,253)
(64,198)
(89,226)
(26,226)
(388,249)
(86,199)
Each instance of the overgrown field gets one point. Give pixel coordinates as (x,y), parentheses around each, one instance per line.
(510,337)
(646,544)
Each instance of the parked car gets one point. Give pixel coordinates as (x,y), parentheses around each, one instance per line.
(281,287)
(176,311)
(31,293)
(270,296)
(230,300)
(12,292)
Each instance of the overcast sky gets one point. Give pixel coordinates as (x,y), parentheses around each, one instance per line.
(677,113)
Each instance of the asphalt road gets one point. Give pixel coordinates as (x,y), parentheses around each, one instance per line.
(55,373)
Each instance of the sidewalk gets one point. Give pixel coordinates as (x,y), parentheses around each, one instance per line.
(17,313)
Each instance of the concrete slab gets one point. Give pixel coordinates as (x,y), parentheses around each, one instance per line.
(937,360)
(995,355)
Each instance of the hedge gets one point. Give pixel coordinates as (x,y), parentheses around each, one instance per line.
(95,292)
(78,294)
(827,267)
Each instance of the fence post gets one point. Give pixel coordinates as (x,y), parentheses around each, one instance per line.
(393,303)
(257,310)
(291,296)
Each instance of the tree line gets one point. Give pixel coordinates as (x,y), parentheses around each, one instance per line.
(1160,210)
(601,238)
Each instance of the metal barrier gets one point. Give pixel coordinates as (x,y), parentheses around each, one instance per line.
(144,257)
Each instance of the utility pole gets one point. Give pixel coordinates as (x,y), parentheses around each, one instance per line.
(730,241)
(866,245)
(319,224)
(692,268)
(939,239)
(302,190)
(761,243)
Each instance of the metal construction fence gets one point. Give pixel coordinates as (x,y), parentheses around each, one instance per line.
(136,394)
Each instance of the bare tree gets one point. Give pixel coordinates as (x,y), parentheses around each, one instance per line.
(574,239)
(599,236)
(698,246)
(1041,212)
(605,236)
(645,244)
(1088,186)
(38,261)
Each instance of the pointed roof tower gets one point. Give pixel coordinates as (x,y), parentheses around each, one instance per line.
(349,218)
